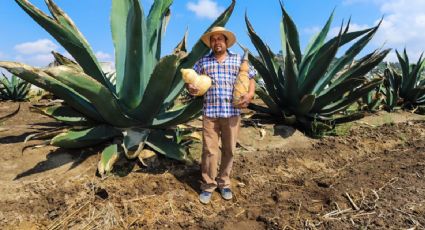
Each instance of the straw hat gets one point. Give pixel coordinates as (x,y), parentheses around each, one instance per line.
(231,38)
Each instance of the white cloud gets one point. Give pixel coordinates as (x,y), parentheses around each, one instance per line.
(36,53)
(403,26)
(38,60)
(102,56)
(205,8)
(36,47)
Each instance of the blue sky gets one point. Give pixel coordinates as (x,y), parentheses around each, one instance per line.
(404,25)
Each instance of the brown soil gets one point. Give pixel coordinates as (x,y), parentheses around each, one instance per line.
(282,180)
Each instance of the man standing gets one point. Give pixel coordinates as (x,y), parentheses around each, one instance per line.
(220,118)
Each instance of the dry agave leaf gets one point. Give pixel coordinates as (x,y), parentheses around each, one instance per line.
(248,115)
(194,136)
(262,134)
(247,148)
(145,154)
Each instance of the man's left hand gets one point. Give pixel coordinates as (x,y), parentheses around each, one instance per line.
(245,100)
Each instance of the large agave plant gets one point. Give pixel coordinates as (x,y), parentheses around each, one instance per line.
(13,89)
(137,106)
(311,88)
(408,88)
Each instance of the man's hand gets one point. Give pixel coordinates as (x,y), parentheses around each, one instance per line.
(192,89)
(245,100)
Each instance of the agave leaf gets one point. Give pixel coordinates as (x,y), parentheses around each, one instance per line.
(66,33)
(166,146)
(416,94)
(337,92)
(130,50)
(359,69)
(274,108)
(349,118)
(62,60)
(74,139)
(65,114)
(318,41)
(346,37)
(182,46)
(157,21)
(47,134)
(259,108)
(413,77)
(41,79)
(291,78)
(101,98)
(344,60)
(292,36)
(264,51)
(177,116)
(351,98)
(404,64)
(134,141)
(306,104)
(159,85)
(273,87)
(392,85)
(321,62)
(108,158)
(282,37)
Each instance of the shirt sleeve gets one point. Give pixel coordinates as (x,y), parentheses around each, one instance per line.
(252,72)
(198,67)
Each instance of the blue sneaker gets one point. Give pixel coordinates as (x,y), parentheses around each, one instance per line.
(226,193)
(205,197)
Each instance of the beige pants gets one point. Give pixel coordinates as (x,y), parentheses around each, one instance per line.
(213,129)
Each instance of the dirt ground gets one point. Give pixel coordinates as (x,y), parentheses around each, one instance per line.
(371,177)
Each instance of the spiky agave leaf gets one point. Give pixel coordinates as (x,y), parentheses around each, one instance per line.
(108,158)
(315,86)
(80,138)
(65,114)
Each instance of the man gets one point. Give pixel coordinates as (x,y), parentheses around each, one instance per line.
(220,118)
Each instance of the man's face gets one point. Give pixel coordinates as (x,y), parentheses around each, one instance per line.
(218,43)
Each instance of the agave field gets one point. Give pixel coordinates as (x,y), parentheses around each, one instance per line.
(332,140)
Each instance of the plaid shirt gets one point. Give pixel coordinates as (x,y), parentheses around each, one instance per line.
(218,99)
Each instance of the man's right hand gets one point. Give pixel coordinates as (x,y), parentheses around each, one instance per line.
(192,89)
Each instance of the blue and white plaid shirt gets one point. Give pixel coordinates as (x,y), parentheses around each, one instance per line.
(218,99)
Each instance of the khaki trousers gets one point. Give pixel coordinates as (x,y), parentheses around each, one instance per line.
(213,129)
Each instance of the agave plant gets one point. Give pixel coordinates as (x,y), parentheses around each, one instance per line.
(136,108)
(311,88)
(14,89)
(408,88)
(373,100)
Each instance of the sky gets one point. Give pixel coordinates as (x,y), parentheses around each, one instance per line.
(403,26)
